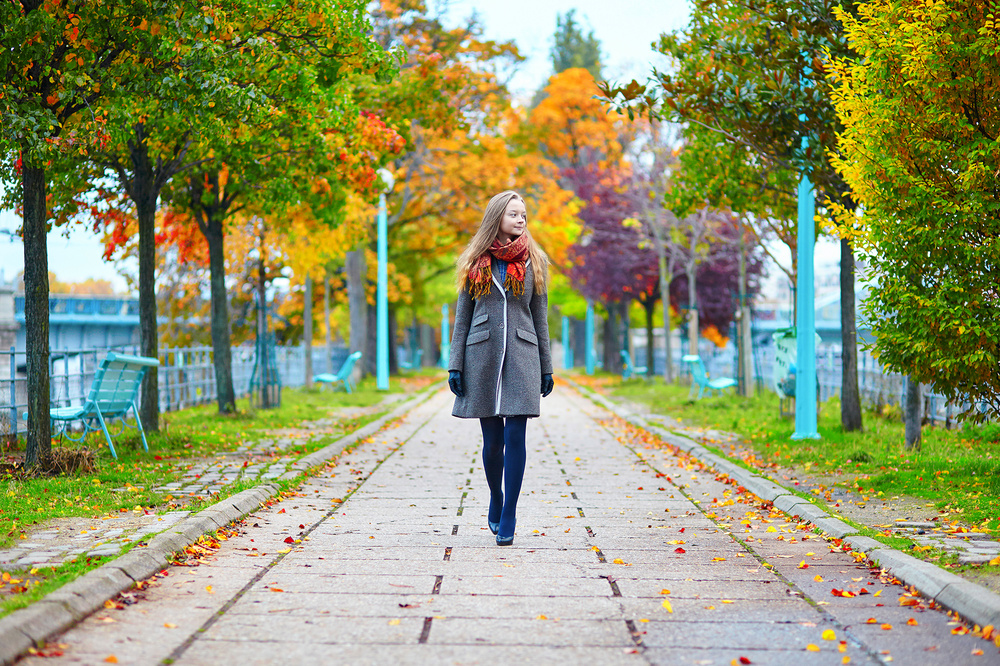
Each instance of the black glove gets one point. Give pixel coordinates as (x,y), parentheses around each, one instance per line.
(547,384)
(455,382)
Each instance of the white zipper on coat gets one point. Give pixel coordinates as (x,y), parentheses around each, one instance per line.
(504,354)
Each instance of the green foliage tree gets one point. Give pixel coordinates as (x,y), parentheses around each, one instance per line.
(192,95)
(919,106)
(298,65)
(754,73)
(571,48)
(58,61)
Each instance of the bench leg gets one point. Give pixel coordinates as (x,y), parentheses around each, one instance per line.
(138,422)
(104,427)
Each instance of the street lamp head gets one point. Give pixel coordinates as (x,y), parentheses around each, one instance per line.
(388,180)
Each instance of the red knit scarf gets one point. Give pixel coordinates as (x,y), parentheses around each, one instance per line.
(515,253)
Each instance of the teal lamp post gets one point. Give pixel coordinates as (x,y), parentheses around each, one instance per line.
(567,349)
(805,304)
(382,291)
(445,337)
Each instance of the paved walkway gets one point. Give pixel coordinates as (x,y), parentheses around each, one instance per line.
(625,553)
(67,539)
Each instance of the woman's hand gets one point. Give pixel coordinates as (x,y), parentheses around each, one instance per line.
(455,382)
(547,384)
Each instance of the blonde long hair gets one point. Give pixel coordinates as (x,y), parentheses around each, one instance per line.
(487,233)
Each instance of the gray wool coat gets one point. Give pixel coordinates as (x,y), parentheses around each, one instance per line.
(501,346)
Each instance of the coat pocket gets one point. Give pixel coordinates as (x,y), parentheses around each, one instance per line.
(481,319)
(525,334)
(478,336)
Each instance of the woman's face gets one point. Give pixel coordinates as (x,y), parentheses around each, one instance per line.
(515,219)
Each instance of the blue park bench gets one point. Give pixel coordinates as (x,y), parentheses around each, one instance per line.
(416,361)
(343,375)
(629,369)
(112,395)
(700,378)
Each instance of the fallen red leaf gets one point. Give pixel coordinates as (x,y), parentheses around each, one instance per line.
(679,550)
(745,660)
(289,540)
(282,511)
(302,527)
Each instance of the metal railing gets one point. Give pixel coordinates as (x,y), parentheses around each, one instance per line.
(186,376)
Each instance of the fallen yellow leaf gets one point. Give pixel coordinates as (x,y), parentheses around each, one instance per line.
(812,648)
(886,627)
(394,621)
(208,588)
(818,578)
(169,625)
(666,604)
(728,601)
(829,635)
(541,617)
(845,660)
(643,619)
(878,594)
(618,560)
(664,591)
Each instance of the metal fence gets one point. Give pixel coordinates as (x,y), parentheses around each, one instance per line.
(186,376)
(878,387)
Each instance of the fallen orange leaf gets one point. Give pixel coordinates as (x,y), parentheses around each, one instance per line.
(277,589)
(886,627)
(871,620)
(169,625)
(818,578)
(960,631)
(977,653)
(912,622)
(111,659)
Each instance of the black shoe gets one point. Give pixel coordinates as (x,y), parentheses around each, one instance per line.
(494,527)
(505,541)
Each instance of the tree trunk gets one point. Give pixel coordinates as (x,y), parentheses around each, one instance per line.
(263,352)
(370,357)
(307,332)
(36,314)
(612,342)
(393,356)
(221,350)
(850,396)
(692,314)
(665,279)
(143,193)
(911,415)
(744,343)
(326,321)
(649,306)
(357,302)
(429,357)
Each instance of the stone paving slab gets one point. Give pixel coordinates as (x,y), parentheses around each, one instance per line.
(431,587)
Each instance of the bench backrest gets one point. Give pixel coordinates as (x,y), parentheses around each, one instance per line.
(697,368)
(348,367)
(117,382)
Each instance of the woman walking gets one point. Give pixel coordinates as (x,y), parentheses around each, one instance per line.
(500,360)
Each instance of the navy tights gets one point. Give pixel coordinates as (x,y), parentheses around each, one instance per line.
(503,460)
